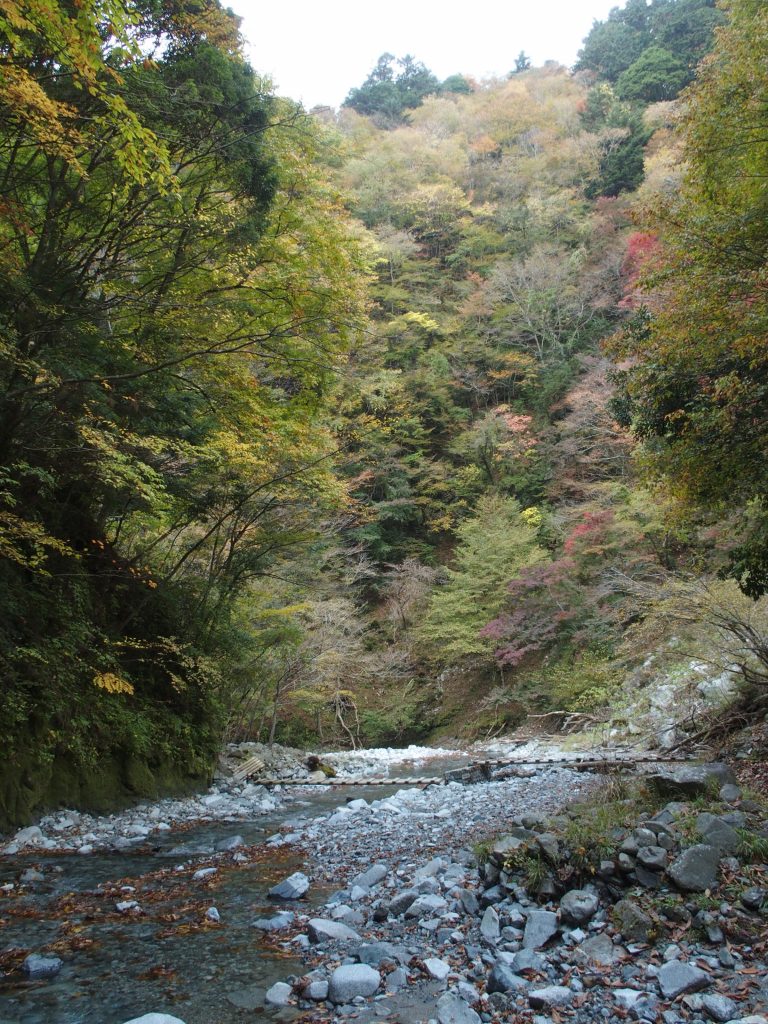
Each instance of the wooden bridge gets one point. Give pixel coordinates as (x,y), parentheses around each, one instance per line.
(477,771)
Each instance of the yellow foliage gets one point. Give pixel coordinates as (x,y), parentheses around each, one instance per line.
(112,683)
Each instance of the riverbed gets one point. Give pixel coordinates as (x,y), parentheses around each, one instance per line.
(136,927)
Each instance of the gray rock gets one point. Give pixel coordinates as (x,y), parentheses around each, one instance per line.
(429,870)
(626,863)
(30,836)
(718,833)
(275,923)
(690,780)
(396,980)
(426,906)
(249,998)
(291,888)
(549,846)
(753,899)
(400,903)
(539,928)
(317,991)
(654,858)
(231,843)
(373,953)
(632,922)
(578,906)
(730,793)
(375,874)
(31,875)
(437,969)
(503,979)
(155,1018)
(695,869)
(453,1010)
(352,980)
(320,929)
(279,994)
(627,997)
(549,997)
(644,837)
(489,926)
(503,847)
(38,967)
(469,993)
(676,978)
(528,960)
(469,902)
(719,1008)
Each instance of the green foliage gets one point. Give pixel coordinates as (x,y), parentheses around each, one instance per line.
(753,848)
(656,75)
(387,94)
(168,345)
(493,546)
(586,682)
(634,45)
(696,396)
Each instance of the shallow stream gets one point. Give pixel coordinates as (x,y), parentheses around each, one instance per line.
(167,958)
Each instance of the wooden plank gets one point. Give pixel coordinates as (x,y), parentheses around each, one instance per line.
(250,767)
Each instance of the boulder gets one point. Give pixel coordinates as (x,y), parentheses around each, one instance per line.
(528,960)
(696,868)
(453,1010)
(375,874)
(549,997)
(578,906)
(599,949)
(320,929)
(653,858)
(539,928)
(718,833)
(38,967)
(426,906)
(275,923)
(30,836)
(231,843)
(437,969)
(632,922)
(155,1018)
(719,1007)
(291,888)
(469,902)
(690,780)
(279,994)
(676,978)
(317,991)
(503,847)
(489,925)
(402,901)
(753,899)
(730,793)
(503,979)
(373,953)
(352,980)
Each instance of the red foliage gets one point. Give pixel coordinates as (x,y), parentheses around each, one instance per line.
(642,249)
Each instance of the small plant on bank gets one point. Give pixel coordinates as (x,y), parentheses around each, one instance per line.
(752,848)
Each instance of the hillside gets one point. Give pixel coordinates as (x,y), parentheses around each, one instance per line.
(363,426)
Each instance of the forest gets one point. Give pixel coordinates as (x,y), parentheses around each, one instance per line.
(357,427)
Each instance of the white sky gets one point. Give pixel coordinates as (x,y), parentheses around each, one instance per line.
(317,50)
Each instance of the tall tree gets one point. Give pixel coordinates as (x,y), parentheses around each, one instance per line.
(696,392)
